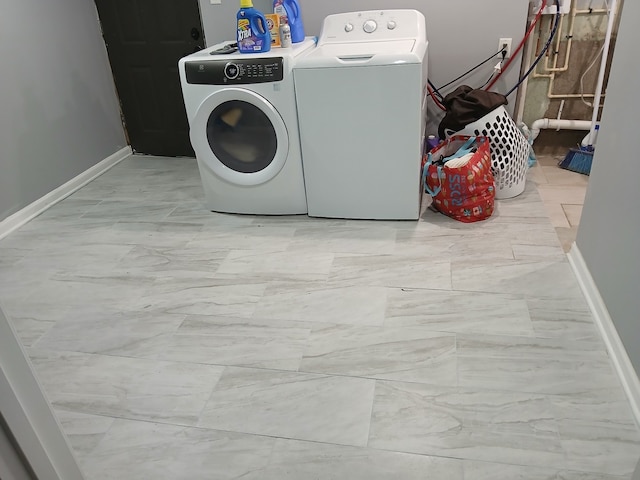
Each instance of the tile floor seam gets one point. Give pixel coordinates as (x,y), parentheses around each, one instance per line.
(103,436)
(260,435)
(159,421)
(300,369)
(457,353)
(466,459)
(274,370)
(198,427)
(373,402)
(304,325)
(178,362)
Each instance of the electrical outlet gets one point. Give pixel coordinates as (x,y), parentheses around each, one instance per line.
(505,44)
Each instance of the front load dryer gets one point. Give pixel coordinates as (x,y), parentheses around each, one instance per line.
(244,129)
(361,105)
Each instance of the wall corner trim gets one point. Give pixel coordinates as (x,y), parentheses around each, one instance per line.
(617,352)
(34,209)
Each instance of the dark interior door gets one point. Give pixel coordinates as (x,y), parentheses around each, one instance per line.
(145,39)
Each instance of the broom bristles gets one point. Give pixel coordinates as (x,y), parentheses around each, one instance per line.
(579,161)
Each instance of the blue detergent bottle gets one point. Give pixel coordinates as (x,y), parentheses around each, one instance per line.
(291,10)
(253,33)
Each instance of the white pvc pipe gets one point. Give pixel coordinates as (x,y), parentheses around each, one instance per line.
(522,91)
(546,123)
(560,113)
(603,70)
(589,140)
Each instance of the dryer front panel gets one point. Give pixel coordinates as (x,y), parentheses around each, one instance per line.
(240,136)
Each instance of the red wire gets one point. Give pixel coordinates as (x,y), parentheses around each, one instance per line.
(522,43)
(435,99)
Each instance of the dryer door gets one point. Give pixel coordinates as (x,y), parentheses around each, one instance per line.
(240,136)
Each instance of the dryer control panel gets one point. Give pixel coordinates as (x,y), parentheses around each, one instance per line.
(235,72)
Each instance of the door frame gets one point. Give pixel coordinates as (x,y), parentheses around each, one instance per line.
(28,414)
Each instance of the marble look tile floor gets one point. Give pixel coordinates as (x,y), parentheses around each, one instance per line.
(175,343)
(563,193)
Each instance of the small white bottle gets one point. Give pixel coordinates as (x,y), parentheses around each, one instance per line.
(285,33)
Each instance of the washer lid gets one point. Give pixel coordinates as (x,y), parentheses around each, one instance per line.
(394,52)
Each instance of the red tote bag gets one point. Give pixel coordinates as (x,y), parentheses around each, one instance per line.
(457,175)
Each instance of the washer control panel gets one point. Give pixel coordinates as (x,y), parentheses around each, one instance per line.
(372,25)
(235,72)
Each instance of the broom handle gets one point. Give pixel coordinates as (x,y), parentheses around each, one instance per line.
(603,69)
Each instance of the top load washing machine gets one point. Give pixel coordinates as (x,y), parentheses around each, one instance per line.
(244,129)
(362,105)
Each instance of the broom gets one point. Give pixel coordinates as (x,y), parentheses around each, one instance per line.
(580,159)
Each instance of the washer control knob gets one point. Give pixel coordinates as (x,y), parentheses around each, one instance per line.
(231,71)
(348,27)
(392,25)
(370,26)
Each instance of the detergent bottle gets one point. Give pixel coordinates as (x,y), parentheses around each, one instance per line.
(291,10)
(253,32)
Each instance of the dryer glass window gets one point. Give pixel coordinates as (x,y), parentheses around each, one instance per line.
(241,136)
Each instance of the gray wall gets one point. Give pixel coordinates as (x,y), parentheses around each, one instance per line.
(609,232)
(60,113)
(461,33)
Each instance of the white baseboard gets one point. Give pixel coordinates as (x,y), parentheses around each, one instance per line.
(615,347)
(34,209)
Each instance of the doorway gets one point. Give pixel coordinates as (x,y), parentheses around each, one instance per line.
(145,39)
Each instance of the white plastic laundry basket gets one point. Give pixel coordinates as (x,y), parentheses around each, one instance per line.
(509,151)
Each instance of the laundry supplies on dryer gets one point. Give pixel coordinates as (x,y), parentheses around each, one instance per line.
(253,31)
(289,13)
